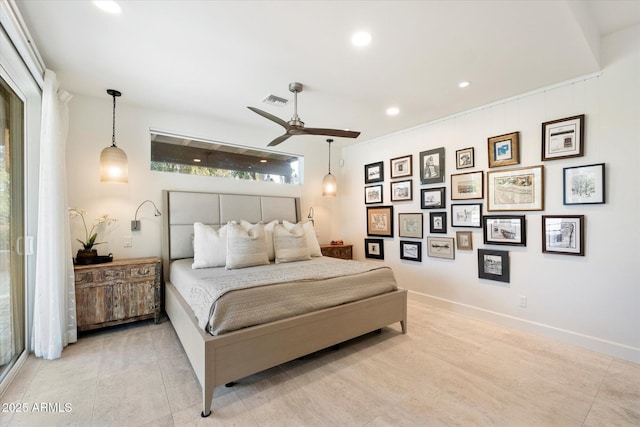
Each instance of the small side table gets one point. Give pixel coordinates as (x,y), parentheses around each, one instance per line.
(337,251)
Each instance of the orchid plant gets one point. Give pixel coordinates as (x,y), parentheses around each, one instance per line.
(91,234)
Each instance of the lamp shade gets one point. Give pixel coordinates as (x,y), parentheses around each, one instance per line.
(329,185)
(113,165)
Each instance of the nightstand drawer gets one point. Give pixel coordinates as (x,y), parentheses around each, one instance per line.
(337,251)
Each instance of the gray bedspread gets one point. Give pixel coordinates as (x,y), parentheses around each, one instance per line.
(226,300)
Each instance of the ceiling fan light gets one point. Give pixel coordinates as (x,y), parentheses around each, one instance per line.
(329,185)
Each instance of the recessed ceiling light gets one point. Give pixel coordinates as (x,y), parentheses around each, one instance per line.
(361,38)
(393,111)
(197,160)
(464,84)
(109,6)
(263,160)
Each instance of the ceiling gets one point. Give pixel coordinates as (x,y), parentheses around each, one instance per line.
(215,58)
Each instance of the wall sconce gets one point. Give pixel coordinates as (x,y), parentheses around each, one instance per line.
(113,160)
(310,215)
(135,224)
(329,185)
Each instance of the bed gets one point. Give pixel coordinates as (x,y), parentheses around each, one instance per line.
(229,356)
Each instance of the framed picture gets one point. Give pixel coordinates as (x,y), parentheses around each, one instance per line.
(464,158)
(401,166)
(410,225)
(374,248)
(504,150)
(563,234)
(518,189)
(401,190)
(583,185)
(466,215)
(563,138)
(505,230)
(411,251)
(464,240)
(493,265)
(467,186)
(380,221)
(374,172)
(441,247)
(432,198)
(373,194)
(438,222)
(432,166)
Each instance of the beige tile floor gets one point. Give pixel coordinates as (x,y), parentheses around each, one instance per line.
(448,370)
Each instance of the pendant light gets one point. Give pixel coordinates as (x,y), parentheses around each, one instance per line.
(113,160)
(329,185)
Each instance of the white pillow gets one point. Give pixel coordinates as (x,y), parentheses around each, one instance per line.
(268,231)
(310,233)
(246,248)
(209,246)
(290,245)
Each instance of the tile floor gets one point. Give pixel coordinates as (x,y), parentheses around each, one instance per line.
(448,370)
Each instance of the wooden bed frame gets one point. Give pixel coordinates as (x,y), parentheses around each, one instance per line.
(218,360)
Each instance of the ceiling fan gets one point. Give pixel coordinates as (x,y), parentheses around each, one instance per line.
(295,126)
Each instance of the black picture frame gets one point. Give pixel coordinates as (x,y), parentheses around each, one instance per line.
(374,248)
(411,250)
(402,191)
(583,185)
(505,230)
(380,221)
(433,198)
(493,265)
(373,194)
(563,234)
(401,166)
(438,222)
(374,172)
(432,164)
(465,158)
(466,215)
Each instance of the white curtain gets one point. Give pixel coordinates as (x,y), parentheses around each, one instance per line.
(54,317)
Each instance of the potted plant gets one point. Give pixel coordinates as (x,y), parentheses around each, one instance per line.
(87,253)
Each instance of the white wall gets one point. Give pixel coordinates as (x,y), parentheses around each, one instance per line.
(593,301)
(90,132)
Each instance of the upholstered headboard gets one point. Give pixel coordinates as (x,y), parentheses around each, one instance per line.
(182,208)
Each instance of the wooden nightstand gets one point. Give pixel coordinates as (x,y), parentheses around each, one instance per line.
(121,291)
(337,251)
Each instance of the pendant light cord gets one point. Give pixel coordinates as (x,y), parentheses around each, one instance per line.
(329,141)
(113,133)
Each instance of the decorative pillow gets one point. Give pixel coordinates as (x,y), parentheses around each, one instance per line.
(268,231)
(246,248)
(209,246)
(310,233)
(290,245)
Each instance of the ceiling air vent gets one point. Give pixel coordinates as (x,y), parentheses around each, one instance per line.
(275,100)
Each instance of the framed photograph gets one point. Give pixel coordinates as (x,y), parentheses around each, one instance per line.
(464,158)
(410,225)
(520,189)
(493,265)
(433,198)
(563,138)
(466,215)
(563,234)
(464,240)
(504,150)
(432,166)
(441,247)
(438,222)
(467,186)
(583,185)
(411,251)
(374,172)
(374,248)
(373,194)
(401,190)
(505,230)
(380,221)
(401,166)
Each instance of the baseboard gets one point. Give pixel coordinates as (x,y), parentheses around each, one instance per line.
(622,351)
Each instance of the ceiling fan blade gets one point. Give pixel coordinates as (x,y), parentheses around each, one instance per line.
(271,117)
(279,139)
(331,132)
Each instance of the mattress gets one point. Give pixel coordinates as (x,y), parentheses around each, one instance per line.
(227,300)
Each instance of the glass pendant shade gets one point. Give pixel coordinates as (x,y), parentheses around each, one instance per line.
(113,165)
(329,186)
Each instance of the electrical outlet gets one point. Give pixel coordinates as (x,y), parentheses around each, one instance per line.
(126,242)
(523,301)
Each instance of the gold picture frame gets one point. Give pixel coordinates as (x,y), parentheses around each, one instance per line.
(504,150)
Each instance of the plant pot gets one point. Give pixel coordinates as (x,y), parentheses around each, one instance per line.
(86,256)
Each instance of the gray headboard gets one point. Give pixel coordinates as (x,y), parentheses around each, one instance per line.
(182,208)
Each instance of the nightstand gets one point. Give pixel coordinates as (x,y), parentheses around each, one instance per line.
(337,251)
(122,291)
